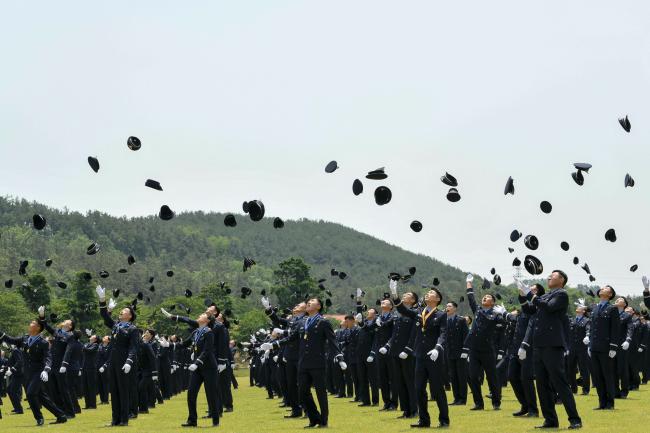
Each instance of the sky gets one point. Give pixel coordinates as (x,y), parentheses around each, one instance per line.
(245,100)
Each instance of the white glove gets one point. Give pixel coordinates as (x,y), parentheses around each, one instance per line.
(393,288)
(580,303)
(266,346)
(500,309)
(499,357)
(358,318)
(523,288)
(383,350)
(585,341)
(469,278)
(275,358)
(343,365)
(192,367)
(101,369)
(44,376)
(89,332)
(101,293)
(612,353)
(625,345)
(433,354)
(265,302)
(646,283)
(360,293)
(589,352)
(403,355)
(41,311)
(79,373)
(640,350)
(154,378)
(126,368)
(521,353)
(165,313)
(464,355)
(370,359)
(221,367)
(278,331)
(171,370)
(284,359)
(111,304)
(378,321)
(9,373)
(62,370)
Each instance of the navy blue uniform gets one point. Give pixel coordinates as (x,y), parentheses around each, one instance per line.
(203,348)
(457,331)
(603,337)
(386,363)
(578,357)
(15,363)
(521,373)
(89,374)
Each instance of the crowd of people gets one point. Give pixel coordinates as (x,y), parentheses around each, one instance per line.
(409,351)
(401,355)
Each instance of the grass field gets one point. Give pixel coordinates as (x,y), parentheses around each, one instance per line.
(254,413)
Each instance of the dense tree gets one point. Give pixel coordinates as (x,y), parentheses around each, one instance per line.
(292,282)
(35,291)
(14,314)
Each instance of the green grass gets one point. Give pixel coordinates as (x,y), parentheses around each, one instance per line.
(253,413)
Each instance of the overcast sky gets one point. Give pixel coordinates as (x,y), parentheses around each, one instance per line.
(251,99)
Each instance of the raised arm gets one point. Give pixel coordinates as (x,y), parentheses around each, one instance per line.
(558,303)
(16,341)
(103,311)
(470,297)
(411,314)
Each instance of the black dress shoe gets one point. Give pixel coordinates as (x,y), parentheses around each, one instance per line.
(403,415)
(188,424)
(311,425)
(17,413)
(520,413)
(40,422)
(496,407)
(443,425)
(575,425)
(294,415)
(228,409)
(420,425)
(477,408)
(391,408)
(533,414)
(122,424)
(547,426)
(585,393)
(363,404)
(324,425)
(60,420)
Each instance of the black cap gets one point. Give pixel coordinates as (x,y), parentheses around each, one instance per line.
(140,296)
(448,179)
(510,187)
(263,292)
(498,295)
(578,177)
(130,260)
(53,316)
(39,221)
(585,267)
(533,265)
(629,181)
(486,284)
(412,270)
(188,293)
(591,293)
(207,302)
(377,174)
(564,245)
(331,167)
(103,274)
(166,213)
(321,286)
(493,271)
(461,299)
(576,260)
(394,276)
(248,263)
(116,293)
(497,280)
(93,249)
(511,250)
(328,302)
(122,271)
(152,288)
(516,262)
(383,195)
(244,206)
(87,276)
(357,187)
(61,284)
(256,210)
(153,184)
(170,273)
(592,278)
(625,123)
(633,268)
(416,226)
(150,280)
(436,281)
(133,143)
(48,263)
(453,195)
(610,235)
(531,242)
(229,220)
(546,207)
(343,275)
(94,163)
(334,272)
(515,235)
(582,166)
(278,223)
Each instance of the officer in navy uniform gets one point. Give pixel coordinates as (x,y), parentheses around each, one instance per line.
(457,331)
(203,369)
(289,351)
(550,342)
(602,340)
(349,349)
(314,335)
(386,369)
(646,291)
(124,347)
(89,372)
(61,348)
(578,356)
(73,358)
(635,357)
(626,332)
(345,385)
(366,355)
(428,342)
(38,364)
(479,345)
(402,357)
(103,378)
(147,371)
(14,372)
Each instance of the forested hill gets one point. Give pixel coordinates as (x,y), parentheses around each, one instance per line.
(200,250)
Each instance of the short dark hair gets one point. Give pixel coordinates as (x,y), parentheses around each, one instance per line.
(73,325)
(151,332)
(438,293)
(494,299)
(40,324)
(564,277)
(349,317)
(415,296)
(454,304)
